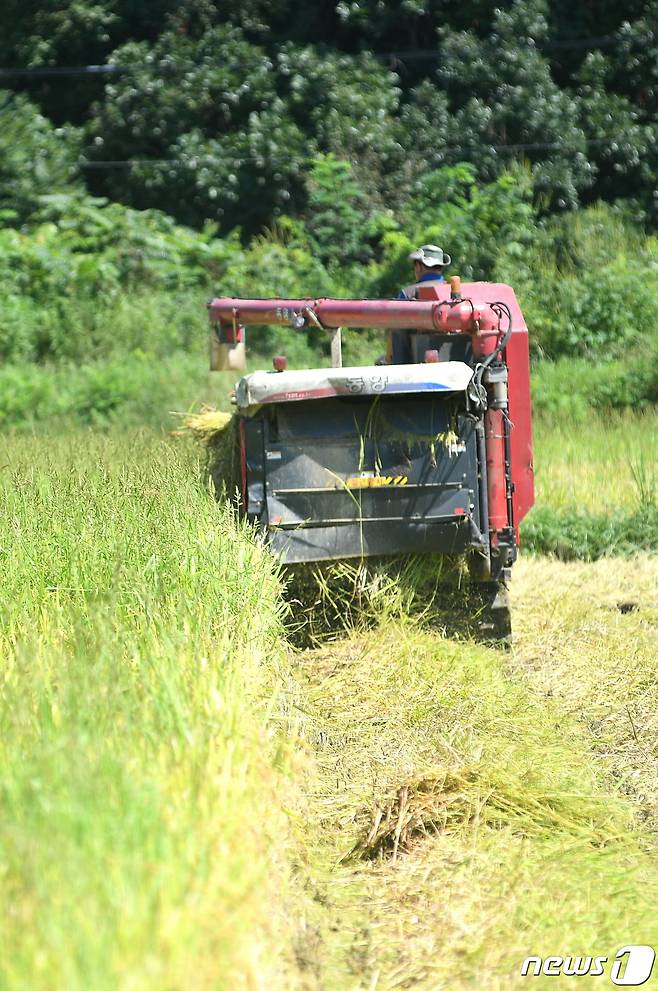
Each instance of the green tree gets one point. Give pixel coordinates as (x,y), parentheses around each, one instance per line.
(207,109)
(347,105)
(506,105)
(631,72)
(77,33)
(425,130)
(619,143)
(35,157)
(238,100)
(337,215)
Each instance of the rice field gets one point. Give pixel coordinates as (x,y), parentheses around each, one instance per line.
(187,802)
(606,462)
(141,819)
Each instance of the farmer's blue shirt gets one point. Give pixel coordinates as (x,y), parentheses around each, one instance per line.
(428,277)
(401,351)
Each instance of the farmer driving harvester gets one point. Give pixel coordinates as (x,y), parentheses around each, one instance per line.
(429,262)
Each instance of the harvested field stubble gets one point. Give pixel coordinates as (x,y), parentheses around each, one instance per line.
(328,600)
(461,817)
(588,638)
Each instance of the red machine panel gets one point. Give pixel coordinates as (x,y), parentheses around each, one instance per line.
(517,358)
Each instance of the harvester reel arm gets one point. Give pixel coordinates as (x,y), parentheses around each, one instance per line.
(442,316)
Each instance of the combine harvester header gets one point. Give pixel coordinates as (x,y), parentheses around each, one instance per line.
(430,457)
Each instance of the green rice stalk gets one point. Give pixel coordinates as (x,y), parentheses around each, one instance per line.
(219,433)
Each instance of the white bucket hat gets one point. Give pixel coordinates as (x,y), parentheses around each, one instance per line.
(430,255)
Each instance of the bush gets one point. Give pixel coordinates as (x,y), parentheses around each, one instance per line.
(588,285)
(573,535)
(337,216)
(475,224)
(136,389)
(575,386)
(92,282)
(93,279)
(26,394)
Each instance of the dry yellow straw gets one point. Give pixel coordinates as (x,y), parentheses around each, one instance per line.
(207,421)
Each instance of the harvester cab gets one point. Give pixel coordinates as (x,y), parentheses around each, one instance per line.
(428,458)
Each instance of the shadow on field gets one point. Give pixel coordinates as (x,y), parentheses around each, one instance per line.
(336,598)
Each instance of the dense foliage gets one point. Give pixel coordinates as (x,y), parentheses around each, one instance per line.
(215,111)
(228,150)
(120,293)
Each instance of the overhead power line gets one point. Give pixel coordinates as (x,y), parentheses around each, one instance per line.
(416,54)
(199,163)
(47,71)
(592,41)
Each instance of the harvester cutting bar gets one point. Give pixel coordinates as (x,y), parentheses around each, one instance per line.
(445,316)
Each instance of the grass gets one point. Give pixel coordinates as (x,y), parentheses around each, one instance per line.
(603,464)
(136,390)
(597,486)
(574,534)
(141,776)
(185,804)
(460,816)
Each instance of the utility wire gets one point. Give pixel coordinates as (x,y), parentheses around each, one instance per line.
(199,163)
(45,72)
(112,69)
(593,41)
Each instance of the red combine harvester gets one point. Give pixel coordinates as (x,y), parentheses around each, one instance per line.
(432,457)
